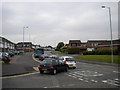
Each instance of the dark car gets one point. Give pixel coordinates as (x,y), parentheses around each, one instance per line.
(43,56)
(5,57)
(11,54)
(53,66)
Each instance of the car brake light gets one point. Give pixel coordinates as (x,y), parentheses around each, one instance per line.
(65,61)
(39,66)
(51,67)
(75,61)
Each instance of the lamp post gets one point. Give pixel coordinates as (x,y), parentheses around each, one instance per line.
(110,31)
(23,36)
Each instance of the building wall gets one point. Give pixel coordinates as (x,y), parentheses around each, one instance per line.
(6,45)
(108,47)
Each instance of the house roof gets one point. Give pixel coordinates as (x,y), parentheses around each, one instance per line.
(71,41)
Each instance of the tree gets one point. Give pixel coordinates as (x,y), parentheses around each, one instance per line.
(50,46)
(60,44)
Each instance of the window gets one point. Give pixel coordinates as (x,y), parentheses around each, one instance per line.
(54,62)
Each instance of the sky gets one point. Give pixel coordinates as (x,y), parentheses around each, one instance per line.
(52,22)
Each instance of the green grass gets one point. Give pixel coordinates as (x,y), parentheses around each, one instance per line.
(57,52)
(100,58)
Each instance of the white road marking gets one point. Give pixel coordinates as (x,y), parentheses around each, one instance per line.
(80,79)
(100,74)
(111,82)
(82,75)
(116,72)
(116,79)
(45,87)
(104,81)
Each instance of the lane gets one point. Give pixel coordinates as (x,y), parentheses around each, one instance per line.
(84,76)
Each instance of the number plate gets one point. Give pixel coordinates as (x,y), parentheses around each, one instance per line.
(44,69)
(71,65)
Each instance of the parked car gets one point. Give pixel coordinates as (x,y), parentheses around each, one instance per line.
(0,56)
(16,52)
(69,60)
(11,54)
(43,56)
(53,66)
(5,57)
(5,54)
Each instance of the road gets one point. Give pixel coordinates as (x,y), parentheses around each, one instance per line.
(86,75)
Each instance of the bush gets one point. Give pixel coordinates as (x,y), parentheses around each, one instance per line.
(73,50)
(101,52)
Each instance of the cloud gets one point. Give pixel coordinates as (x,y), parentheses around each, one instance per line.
(51,22)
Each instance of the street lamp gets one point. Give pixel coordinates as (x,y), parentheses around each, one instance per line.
(110,31)
(23,36)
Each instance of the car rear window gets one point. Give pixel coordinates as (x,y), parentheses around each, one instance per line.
(70,59)
(53,62)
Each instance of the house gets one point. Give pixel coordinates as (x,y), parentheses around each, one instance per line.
(27,46)
(107,46)
(91,45)
(74,43)
(6,45)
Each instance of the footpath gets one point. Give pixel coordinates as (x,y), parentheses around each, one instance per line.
(18,66)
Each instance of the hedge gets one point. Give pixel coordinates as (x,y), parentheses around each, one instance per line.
(101,52)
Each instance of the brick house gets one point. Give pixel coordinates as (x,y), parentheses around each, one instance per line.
(74,43)
(27,46)
(107,46)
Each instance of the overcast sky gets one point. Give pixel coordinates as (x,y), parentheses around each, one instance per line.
(53,22)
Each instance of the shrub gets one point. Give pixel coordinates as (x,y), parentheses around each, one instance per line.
(101,52)
(73,50)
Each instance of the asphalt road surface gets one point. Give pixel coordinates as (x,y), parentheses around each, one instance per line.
(86,75)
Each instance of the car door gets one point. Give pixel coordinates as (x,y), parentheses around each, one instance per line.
(62,65)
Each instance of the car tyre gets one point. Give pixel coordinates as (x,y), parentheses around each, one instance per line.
(54,72)
(66,70)
(74,67)
(41,71)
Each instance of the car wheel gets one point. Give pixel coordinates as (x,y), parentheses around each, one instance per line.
(41,71)
(54,72)
(74,67)
(66,70)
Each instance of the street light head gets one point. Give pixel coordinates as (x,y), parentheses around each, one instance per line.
(103,7)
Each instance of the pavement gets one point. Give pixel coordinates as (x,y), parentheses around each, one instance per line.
(17,68)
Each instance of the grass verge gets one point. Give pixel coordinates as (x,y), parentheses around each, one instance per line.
(57,52)
(100,58)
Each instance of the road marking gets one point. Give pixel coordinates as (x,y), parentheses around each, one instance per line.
(112,82)
(83,75)
(45,87)
(35,59)
(36,68)
(116,72)
(19,75)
